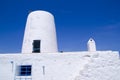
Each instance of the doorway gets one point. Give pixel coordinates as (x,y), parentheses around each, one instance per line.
(36,46)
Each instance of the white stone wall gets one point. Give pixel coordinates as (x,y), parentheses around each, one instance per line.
(63,66)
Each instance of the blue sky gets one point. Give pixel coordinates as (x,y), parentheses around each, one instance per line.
(76,21)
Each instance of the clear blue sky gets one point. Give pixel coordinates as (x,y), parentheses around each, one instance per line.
(76,21)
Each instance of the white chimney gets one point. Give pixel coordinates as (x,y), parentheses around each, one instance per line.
(91,45)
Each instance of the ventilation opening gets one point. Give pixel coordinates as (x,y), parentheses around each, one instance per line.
(36,46)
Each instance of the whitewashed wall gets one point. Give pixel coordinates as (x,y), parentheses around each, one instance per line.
(40,26)
(63,66)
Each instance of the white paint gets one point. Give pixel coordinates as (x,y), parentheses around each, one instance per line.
(40,26)
(100,65)
(91,45)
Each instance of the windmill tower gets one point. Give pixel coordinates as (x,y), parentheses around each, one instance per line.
(40,33)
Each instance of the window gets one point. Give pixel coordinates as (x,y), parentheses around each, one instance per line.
(24,70)
(36,46)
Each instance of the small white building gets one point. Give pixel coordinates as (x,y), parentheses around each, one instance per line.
(40,59)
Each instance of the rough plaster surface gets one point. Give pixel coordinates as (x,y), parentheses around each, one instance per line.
(99,65)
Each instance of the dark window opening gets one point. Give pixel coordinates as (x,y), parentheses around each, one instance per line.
(36,46)
(24,70)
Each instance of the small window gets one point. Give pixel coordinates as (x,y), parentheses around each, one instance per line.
(36,46)
(24,70)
